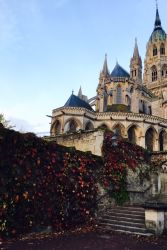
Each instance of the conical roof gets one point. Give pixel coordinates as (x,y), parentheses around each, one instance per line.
(118,71)
(75,101)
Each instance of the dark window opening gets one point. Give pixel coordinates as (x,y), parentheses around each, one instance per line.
(154,51)
(162,50)
(154,75)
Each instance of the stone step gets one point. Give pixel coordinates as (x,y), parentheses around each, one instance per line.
(127,210)
(131,208)
(125,219)
(123,222)
(125,214)
(119,218)
(122,227)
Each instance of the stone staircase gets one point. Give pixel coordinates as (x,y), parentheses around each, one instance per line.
(129,219)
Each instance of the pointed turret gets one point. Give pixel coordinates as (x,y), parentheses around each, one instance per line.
(136,50)
(157,19)
(80,93)
(136,65)
(81,96)
(105,72)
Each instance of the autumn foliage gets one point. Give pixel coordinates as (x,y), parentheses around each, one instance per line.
(43,184)
(46,185)
(118,156)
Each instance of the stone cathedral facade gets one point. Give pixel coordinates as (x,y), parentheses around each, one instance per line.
(132,103)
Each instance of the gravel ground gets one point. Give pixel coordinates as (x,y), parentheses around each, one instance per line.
(94,240)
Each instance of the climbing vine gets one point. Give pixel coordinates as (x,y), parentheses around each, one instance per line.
(118,156)
(43,185)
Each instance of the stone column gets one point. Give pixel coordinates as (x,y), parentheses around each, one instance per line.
(154,220)
(156,145)
(142,141)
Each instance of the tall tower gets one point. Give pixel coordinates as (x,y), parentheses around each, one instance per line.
(136,65)
(155,64)
(101,103)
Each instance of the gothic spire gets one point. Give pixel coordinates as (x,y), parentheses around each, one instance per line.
(80,92)
(105,70)
(157,18)
(136,50)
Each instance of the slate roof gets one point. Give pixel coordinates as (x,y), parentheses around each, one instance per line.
(75,101)
(118,71)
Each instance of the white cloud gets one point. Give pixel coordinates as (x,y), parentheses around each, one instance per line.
(21,125)
(24,126)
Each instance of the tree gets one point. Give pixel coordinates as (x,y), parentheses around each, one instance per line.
(4,122)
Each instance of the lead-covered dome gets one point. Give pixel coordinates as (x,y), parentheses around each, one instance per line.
(158,32)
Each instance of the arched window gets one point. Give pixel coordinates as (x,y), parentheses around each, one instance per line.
(89,126)
(72,126)
(132,134)
(154,50)
(57,128)
(164,71)
(149,110)
(162,49)
(131,90)
(149,139)
(119,129)
(154,73)
(144,107)
(162,141)
(119,95)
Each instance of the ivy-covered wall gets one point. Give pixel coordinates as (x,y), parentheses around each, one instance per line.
(43,184)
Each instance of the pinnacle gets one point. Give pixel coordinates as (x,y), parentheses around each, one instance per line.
(105,70)
(136,50)
(80,92)
(157,19)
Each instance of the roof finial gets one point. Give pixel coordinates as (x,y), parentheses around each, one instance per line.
(72,91)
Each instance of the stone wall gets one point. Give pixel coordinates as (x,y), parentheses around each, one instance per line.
(83,141)
(138,187)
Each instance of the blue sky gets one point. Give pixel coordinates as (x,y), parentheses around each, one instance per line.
(50,47)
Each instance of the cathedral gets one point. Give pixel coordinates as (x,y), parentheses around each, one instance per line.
(134,104)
